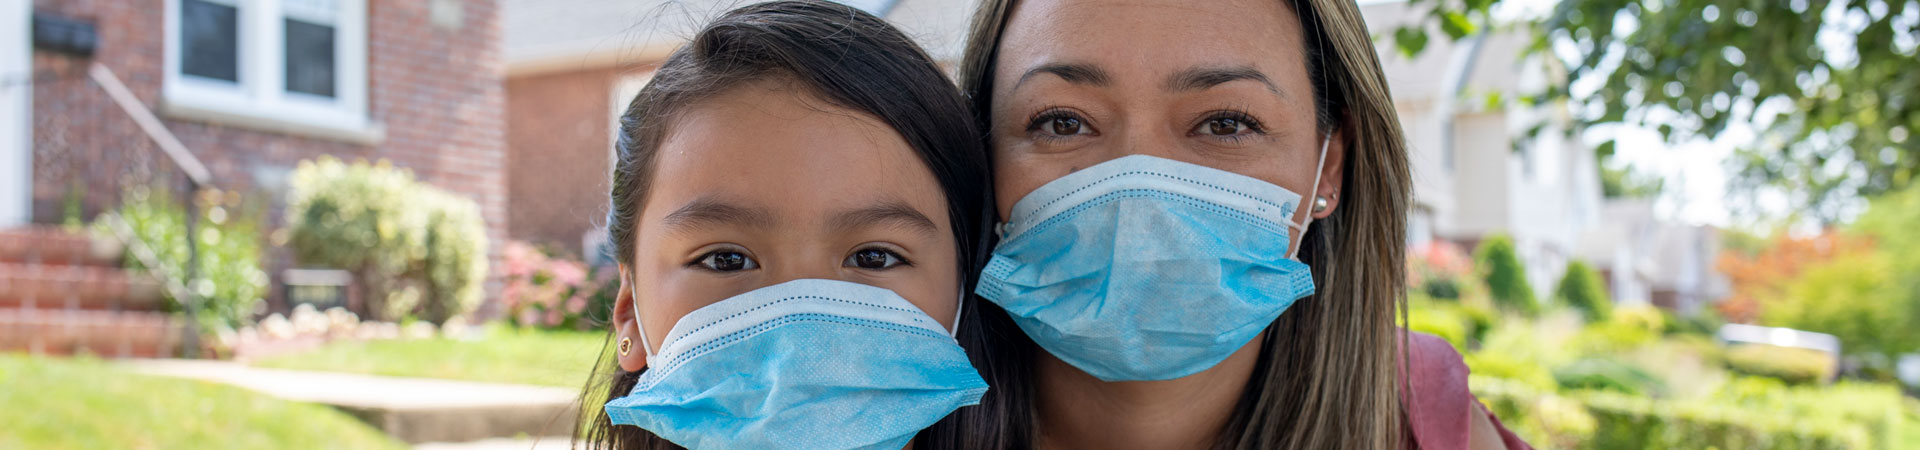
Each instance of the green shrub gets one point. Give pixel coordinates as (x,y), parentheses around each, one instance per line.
(1610,420)
(1791,365)
(1499,264)
(412,248)
(231,280)
(1582,289)
(1608,374)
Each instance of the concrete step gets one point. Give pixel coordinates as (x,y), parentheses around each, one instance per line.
(39,286)
(413,410)
(58,247)
(103,333)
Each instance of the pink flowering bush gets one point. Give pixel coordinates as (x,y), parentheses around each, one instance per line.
(543,291)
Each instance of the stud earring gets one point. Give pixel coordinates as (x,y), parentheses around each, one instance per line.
(626,346)
(1319,204)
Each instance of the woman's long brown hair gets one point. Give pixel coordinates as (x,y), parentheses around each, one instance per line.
(1327,374)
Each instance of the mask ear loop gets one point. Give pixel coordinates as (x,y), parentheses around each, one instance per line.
(1294,250)
(959,310)
(641,325)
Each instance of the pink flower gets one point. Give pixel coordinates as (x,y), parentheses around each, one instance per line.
(576,304)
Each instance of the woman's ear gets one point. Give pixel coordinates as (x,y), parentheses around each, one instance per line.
(629,346)
(1331,174)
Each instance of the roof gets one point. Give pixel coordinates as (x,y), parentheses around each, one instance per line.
(561,35)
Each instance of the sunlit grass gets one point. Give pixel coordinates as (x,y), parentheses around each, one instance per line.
(82,403)
(503,355)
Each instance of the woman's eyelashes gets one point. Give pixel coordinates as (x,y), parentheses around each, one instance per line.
(726,260)
(1229,126)
(1058,123)
(874,258)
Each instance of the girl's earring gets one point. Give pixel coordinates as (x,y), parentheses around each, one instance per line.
(626,346)
(1319,204)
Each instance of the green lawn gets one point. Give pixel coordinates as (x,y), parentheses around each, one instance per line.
(504,355)
(83,403)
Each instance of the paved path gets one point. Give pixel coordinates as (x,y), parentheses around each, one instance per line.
(413,410)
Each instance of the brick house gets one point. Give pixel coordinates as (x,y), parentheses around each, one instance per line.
(571,68)
(250,88)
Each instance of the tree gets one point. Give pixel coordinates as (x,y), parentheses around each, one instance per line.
(1835,119)
(1582,289)
(1506,278)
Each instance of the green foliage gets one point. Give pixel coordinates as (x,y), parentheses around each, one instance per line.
(1624,182)
(230,280)
(1608,374)
(1842,119)
(56,403)
(1499,264)
(1791,365)
(1856,297)
(413,249)
(1582,289)
(1611,420)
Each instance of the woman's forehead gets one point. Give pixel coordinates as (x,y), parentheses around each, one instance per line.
(1149,35)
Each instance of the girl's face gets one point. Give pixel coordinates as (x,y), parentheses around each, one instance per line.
(1220,83)
(763,185)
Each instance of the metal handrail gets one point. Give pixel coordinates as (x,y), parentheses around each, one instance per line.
(198,177)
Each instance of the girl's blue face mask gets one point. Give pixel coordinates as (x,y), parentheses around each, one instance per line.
(1145,268)
(803,364)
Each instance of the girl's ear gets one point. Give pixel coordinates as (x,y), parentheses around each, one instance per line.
(626,327)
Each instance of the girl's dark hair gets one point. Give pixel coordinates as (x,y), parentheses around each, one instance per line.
(845,57)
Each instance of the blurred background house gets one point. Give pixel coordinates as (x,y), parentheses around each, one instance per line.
(248,89)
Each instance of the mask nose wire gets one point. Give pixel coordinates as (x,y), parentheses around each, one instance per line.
(1293,251)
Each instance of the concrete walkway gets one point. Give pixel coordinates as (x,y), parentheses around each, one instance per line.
(413,410)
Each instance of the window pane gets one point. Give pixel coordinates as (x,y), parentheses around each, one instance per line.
(309,58)
(209,40)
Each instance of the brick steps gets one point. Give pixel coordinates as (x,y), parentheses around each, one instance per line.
(35,286)
(102,333)
(64,293)
(54,246)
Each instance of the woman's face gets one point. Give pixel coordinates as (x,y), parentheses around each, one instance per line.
(1219,83)
(767,184)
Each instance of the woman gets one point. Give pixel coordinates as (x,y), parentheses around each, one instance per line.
(1205,226)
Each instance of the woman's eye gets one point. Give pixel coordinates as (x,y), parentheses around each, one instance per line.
(1227,125)
(1057,123)
(874,259)
(728,261)
(1064,126)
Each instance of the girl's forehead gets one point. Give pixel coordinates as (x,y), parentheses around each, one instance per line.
(791,154)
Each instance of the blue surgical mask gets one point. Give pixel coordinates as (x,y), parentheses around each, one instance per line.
(1145,268)
(816,364)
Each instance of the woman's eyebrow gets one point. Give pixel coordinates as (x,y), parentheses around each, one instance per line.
(707,211)
(1076,73)
(1200,78)
(891,213)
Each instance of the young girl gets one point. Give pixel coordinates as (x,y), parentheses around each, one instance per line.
(797,205)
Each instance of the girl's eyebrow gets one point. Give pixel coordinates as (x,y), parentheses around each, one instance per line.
(887,212)
(707,211)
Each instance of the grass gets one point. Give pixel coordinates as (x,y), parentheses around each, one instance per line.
(58,403)
(503,355)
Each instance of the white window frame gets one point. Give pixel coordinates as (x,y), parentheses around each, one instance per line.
(259,99)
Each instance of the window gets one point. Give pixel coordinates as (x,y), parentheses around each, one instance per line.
(291,66)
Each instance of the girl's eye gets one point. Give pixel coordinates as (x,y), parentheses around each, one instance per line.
(727,261)
(874,259)
(1228,124)
(1058,123)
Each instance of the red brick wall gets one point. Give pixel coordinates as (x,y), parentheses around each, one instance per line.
(437,91)
(558,137)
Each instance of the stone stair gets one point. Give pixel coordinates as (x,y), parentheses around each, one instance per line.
(63,293)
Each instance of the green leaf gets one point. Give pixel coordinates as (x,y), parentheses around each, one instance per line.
(1410,40)
(1456,25)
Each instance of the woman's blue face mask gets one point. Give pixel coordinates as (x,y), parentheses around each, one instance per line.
(1145,268)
